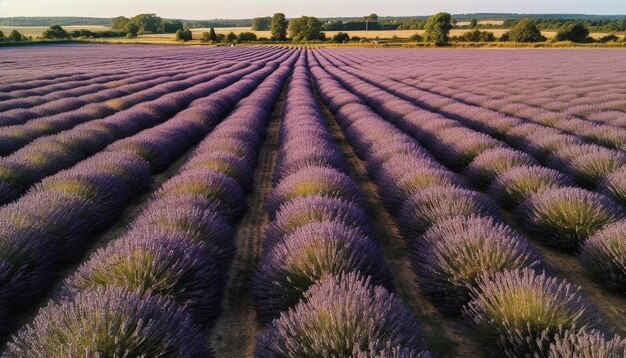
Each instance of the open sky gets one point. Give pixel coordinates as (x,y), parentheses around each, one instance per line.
(203,9)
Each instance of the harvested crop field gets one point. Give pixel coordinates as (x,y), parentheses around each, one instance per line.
(282,202)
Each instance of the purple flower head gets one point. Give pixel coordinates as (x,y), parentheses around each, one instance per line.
(604,255)
(313,251)
(487,166)
(614,185)
(111,322)
(516,185)
(172,266)
(565,217)
(344,316)
(518,313)
(417,180)
(315,181)
(436,204)
(302,211)
(587,344)
(453,254)
(227,163)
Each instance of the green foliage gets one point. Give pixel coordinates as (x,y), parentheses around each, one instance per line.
(170,27)
(525,30)
(372,18)
(231,37)
(473,24)
(306,28)
(246,37)
(212,35)
(573,31)
(609,38)
(15,36)
(437,28)
(149,23)
(55,32)
(416,38)
(119,23)
(2,38)
(477,36)
(261,23)
(131,30)
(341,37)
(279,27)
(184,35)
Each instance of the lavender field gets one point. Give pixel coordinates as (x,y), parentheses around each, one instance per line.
(294,202)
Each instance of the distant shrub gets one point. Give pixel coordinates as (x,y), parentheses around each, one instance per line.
(518,313)
(111,323)
(516,185)
(313,251)
(587,344)
(604,255)
(55,32)
(477,36)
(246,37)
(566,217)
(573,31)
(15,36)
(341,37)
(609,38)
(344,316)
(454,254)
(205,37)
(184,35)
(230,38)
(415,38)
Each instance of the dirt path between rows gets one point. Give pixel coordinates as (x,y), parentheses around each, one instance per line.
(235,331)
(446,337)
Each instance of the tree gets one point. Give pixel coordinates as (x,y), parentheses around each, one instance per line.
(261,23)
(372,18)
(231,37)
(341,37)
(15,36)
(148,22)
(205,37)
(573,31)
(278,27)
(131,30)
(184,35)
(609,38)
(119,23)
(437,28)
(170,27)
(525,30)
(212,35)
(2,38)
(246,37)
(473,24)
(306,28)
(55,32)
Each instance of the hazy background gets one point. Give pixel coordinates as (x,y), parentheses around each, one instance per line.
(211,9)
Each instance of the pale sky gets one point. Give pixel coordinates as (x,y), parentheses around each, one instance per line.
(233,9)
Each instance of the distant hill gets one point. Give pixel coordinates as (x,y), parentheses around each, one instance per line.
(94,21)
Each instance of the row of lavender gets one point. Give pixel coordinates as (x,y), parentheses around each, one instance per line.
(547,204)
(153,291)
(47,155)
(322,280)
(55,222)
(466,257)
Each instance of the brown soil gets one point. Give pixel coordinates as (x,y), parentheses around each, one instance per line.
(236,328)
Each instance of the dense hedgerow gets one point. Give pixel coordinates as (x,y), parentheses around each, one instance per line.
(454,254)
(172,266)
(519,313)
(344,316)
(315,181)
(488,165)
(111,323)
(587,344)
(565,217)
(516,185)
(313,251)
(306,210)
(439,203)
(604,255)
